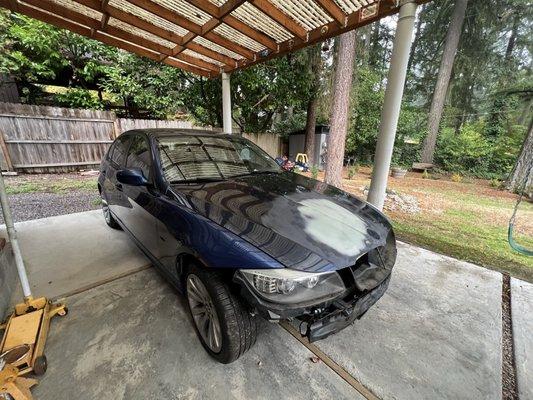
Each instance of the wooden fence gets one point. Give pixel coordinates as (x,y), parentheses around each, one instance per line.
(40,139)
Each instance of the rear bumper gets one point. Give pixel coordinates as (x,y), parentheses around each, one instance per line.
(322,319)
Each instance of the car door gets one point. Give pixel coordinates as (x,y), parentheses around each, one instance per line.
(142,210)
(112,188)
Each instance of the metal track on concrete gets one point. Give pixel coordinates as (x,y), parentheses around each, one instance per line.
(330,363)
(102,282)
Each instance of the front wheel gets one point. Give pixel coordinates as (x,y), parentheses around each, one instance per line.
(109,219)
(224,326)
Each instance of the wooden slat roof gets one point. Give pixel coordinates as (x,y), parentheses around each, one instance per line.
(207,37)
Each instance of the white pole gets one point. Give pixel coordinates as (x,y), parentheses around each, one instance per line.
(12,234)
(226,103)
(392,103)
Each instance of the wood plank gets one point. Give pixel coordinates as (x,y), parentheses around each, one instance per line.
(5,152)
(333,10)
(206,6)
(281,18)
(55,165)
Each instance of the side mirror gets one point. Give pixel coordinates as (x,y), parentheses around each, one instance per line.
(132,177)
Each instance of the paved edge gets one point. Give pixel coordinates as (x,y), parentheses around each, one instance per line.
(521,311)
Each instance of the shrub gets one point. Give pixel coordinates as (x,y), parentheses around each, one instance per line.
(352,171)
(314,172)
(456,177)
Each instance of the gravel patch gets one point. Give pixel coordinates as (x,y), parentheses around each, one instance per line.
(27,206)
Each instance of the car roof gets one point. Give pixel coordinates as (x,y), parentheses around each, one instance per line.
(161,132)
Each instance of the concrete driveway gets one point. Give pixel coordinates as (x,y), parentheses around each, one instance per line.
(435,334)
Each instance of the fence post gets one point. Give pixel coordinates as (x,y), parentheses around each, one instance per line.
(117,129)
(5,152)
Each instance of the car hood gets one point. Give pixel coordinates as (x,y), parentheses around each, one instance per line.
(302,223)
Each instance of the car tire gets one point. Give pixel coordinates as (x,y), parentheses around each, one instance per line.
(237,327)
(108,217)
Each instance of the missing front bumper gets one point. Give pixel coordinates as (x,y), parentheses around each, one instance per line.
(344,314)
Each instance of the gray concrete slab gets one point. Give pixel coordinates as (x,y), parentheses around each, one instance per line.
(522,320)
(132,339)
(69,252)
(436,334)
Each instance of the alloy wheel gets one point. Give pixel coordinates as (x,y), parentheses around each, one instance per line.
(105,210)
(204,313)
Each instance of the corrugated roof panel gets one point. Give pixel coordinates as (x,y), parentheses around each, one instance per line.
(257,19)
(237,37)
(148,16)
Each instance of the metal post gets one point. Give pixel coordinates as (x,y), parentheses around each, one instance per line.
(392,103)
(12,234)
(226,103)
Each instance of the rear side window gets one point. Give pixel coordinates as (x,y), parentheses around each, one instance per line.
(139,155)
(119,150)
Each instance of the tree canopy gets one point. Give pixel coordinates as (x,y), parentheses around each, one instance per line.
(487,109)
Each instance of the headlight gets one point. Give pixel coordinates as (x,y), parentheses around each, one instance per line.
(290,286)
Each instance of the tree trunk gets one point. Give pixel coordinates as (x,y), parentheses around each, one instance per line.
(310,127)
(523,165)
(339,110)
(315,61)
(415,40)
(443,79)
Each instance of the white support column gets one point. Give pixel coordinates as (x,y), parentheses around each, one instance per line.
(392,103)
(226,103)
(12,235)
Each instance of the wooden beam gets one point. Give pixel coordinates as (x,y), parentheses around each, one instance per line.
(228,7)
(334,11)
(247,30)
(178,19)
(105,15)
(133,20)
(167,14)
(95,26)
(178,64)
(198,48)
(228,44)
(281,18)
(206,6)
(325,32)
(88,32)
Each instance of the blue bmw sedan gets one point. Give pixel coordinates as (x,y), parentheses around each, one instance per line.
(243,239)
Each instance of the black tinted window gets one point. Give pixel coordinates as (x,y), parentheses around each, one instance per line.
(139,155)
(119,150)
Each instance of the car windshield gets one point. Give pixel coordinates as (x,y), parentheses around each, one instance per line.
(191,158)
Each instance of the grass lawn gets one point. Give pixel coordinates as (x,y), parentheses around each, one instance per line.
(466,220)
(49,183)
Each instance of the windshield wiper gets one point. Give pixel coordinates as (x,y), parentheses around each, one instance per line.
(264,172)
(197,180)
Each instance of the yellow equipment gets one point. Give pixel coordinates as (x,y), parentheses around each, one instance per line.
(25,331)
(302,158)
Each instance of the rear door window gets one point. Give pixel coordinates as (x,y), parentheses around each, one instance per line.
(139,155)
(119,150)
